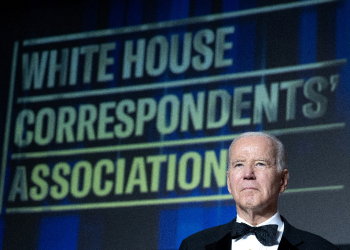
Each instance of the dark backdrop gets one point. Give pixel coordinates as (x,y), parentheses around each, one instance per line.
(288,59)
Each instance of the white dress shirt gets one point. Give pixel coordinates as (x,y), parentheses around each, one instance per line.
(250,242)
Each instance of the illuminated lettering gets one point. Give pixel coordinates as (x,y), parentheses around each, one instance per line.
(194,111)
(193,161)
(137,176)
(62,66)
(19,185)
(41,188)
(200,51)
(60,189)
(84,180)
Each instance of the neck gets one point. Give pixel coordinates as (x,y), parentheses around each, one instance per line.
(255,218)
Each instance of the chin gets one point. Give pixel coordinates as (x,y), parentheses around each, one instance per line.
(250,203)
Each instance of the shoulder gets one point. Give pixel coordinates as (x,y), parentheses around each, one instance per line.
(313,240)
(206,237)
(304,239)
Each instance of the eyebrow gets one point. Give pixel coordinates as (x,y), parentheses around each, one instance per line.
(235,161)
(263,159)
(259,159)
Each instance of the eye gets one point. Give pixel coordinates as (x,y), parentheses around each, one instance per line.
(238,165)
(260,164)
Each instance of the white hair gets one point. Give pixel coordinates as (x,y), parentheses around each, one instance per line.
(278,145)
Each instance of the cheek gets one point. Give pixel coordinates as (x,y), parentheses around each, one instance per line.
(231,183)
(267,182)
(274,185)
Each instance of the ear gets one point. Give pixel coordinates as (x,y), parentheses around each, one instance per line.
(284,180)
(228,181)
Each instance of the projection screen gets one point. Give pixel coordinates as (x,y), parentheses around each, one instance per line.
(117,116)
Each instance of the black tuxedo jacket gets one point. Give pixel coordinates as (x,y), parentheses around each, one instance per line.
(219,238)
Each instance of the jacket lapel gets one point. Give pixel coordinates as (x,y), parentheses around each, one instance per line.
(222,244)
(224,239)
(285,245)
(290,238)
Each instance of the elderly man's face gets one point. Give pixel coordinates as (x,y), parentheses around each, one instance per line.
(253,178)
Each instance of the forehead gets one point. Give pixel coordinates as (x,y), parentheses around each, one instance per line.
(253,146)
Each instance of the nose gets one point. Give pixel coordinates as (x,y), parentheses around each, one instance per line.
(249,173)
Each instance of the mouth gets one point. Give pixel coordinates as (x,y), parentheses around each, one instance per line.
(249,188)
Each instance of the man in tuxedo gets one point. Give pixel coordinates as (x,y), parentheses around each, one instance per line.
(256,175)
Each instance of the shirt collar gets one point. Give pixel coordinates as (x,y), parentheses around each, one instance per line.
(276,219)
